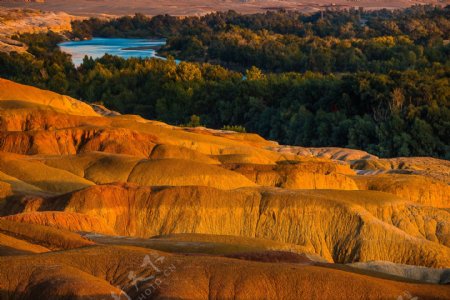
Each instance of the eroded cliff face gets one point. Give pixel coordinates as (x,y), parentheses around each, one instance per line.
(63,220)
(306,174)
(258,216)
(340,226)
(416,188)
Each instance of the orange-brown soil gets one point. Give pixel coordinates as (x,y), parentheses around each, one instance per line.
(85,197)
(202,7)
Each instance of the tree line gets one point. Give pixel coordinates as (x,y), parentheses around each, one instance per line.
(281,41)
(385,105)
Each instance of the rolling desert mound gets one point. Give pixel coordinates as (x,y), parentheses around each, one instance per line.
(202,7)
(114,206)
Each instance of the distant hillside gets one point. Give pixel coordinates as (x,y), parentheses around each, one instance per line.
(202,7)
(15,21)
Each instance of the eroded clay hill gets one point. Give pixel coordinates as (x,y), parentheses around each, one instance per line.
(85,196)
(14,21)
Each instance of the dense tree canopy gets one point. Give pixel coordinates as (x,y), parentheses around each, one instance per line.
(376,81)
(345,41)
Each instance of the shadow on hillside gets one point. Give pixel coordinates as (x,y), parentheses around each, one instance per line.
(35,294)
(9,251)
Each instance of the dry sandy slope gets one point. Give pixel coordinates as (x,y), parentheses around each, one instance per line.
(407,271)
(12,95)
(205,194)
(209,244)
(95,271)
(200,7)
(14,21)
(438,169)
(415,188)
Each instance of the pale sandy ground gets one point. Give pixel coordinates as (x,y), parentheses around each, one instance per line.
(14,21)
(19,21)
(201,7)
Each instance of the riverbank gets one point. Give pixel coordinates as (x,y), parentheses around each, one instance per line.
(126,48)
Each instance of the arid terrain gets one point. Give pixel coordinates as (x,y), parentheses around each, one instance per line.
(202,7)
(95,204)
(100,205)
(16,21)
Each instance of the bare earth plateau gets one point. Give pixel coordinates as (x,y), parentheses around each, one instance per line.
(202,7)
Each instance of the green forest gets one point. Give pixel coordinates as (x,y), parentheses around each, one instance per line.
(377,81)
